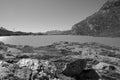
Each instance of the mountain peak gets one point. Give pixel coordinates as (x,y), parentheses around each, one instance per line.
(2,28)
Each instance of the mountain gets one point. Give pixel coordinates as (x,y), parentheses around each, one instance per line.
(53,32)
(5,32)
(105,22)
(58,32)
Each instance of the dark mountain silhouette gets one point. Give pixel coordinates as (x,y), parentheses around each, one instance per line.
(5,32)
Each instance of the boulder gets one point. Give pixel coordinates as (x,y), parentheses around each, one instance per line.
(104,67)
(89,74)
(30,63)
(75,68)
(101,66)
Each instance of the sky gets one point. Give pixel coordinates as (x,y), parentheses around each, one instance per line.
(45,15)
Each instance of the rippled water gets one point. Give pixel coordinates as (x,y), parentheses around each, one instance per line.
(44,40)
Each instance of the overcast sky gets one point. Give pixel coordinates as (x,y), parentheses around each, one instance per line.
(45,15)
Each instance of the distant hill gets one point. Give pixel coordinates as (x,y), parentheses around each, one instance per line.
(58,32)
(53,32)
(105,22)
(5,32)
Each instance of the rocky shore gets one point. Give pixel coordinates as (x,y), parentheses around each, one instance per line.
(60,61)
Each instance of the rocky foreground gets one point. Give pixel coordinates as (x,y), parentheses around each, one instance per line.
(60,61)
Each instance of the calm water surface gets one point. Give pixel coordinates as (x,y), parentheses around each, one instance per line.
(49,39)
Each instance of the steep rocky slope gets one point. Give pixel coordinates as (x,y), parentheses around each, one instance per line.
(105,22)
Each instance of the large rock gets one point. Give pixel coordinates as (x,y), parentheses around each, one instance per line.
(75,68)
(105,67)
(108,71)
(30,63)
(89,74)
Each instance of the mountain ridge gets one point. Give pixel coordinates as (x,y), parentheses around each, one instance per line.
(5,32)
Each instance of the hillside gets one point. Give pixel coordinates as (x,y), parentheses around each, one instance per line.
(58,32)
(53,32)
(105,22)
(5,32)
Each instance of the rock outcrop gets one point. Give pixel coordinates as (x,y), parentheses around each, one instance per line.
(30,63)
(77,70)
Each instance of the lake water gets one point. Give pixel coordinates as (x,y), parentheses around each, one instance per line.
(44,40)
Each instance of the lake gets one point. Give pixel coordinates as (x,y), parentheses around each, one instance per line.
(44,40)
